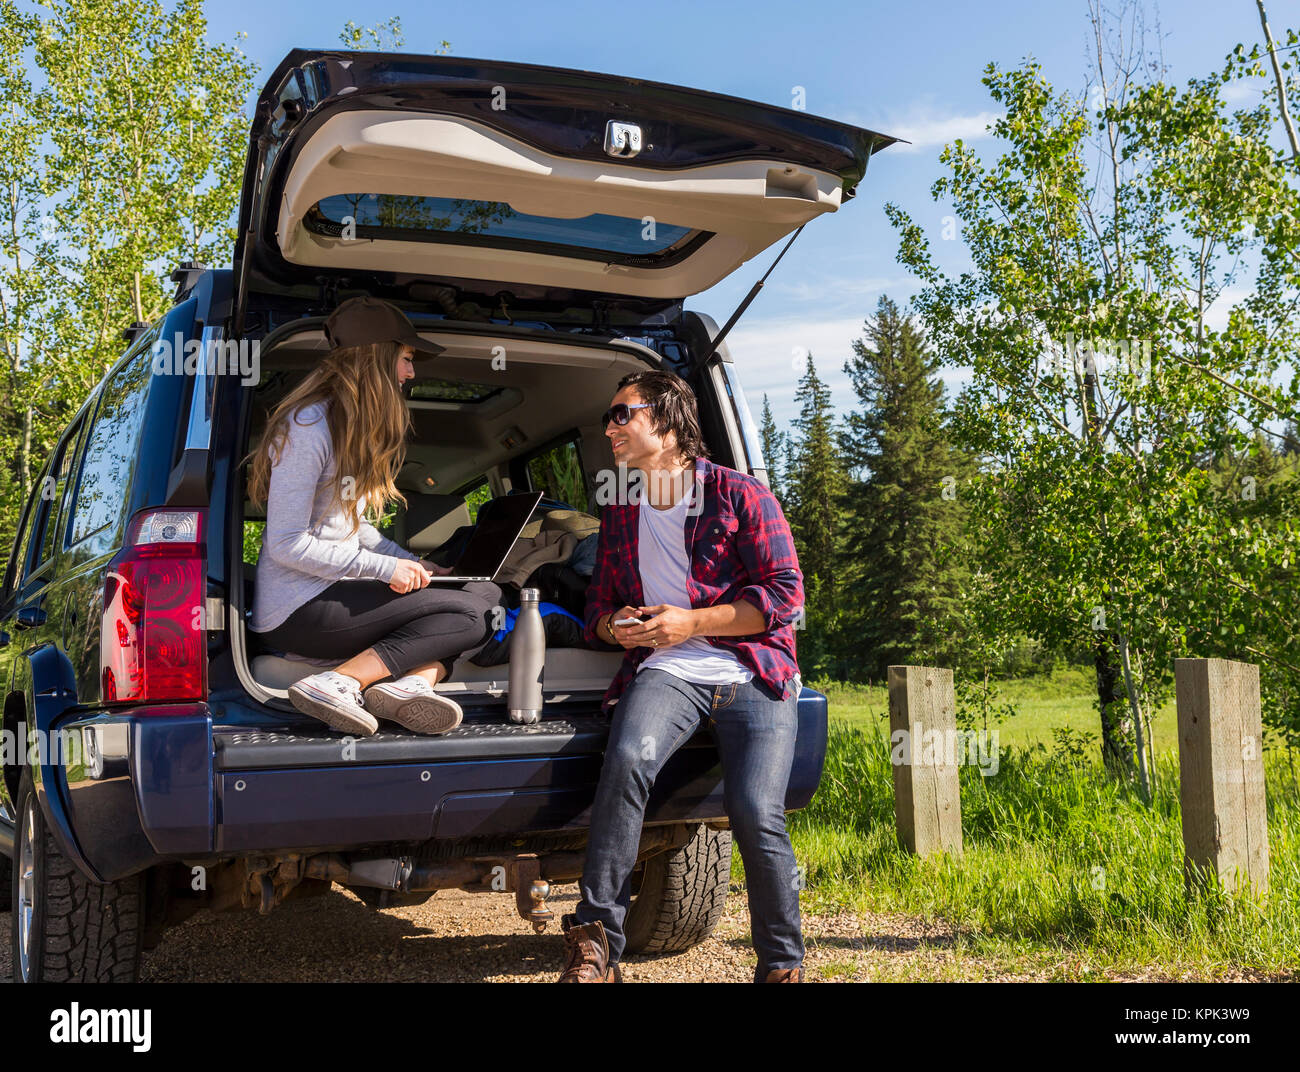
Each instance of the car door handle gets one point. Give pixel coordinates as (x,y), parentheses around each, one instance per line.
(29,618)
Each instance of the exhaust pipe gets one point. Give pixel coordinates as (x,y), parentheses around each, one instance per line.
(400,874)
(527,874)
(403,875)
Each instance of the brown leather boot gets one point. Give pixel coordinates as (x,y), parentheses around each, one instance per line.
(587,953)
(785,975)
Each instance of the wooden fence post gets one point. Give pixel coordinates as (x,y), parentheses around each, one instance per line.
(1221,767)
(922,732)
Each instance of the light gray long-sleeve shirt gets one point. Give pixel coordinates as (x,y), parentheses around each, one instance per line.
(306,547)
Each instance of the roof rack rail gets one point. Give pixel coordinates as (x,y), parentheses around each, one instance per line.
(185,275)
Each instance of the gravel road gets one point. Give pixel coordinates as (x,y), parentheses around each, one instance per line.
(477,937)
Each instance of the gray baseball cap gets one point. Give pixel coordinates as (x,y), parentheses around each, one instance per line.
(361,321)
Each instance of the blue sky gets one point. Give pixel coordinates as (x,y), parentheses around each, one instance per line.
(912,70)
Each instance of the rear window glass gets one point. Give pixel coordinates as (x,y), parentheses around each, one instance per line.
(476,497)
(252,547)
(32,523)
(495,223)
(110,451)
(557,473)
(54,487)
(449,391)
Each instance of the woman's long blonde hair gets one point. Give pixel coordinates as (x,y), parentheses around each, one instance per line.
(368,423)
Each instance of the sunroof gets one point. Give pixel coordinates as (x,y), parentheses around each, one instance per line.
(448,219)
(450,391)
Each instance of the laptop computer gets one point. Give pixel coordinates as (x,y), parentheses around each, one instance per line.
(496,531)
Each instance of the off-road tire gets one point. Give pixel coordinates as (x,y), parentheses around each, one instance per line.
(81,932)
(682,895)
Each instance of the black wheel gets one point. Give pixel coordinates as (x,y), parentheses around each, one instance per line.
(681,896)
(66,929)
(6,883)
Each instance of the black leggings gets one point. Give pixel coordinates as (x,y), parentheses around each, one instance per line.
(406,631)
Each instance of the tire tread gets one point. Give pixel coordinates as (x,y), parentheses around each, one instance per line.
(692,882)
(89,933)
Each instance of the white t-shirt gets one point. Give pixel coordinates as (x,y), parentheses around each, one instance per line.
(665,566)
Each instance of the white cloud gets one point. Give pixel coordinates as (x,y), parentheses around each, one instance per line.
(1216,316)
(932,131)
(844,288)
(1247,91)
(771,355)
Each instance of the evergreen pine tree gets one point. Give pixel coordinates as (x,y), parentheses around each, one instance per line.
(900,571)
(1290,438)
(814,484)
(773,444)
(787,468)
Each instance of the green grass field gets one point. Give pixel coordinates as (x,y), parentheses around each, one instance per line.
(1064,873)
(1064,699)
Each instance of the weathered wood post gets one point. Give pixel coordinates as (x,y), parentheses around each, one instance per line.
(922,733)
(1221,765)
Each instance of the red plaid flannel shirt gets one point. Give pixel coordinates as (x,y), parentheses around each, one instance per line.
(740,548)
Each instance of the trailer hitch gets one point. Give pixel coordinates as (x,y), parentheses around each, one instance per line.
(531,891)
(523,874)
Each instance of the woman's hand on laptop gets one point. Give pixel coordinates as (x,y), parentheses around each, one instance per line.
(434,568)
(408,576)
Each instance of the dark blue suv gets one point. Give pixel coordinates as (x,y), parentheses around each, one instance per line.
(544,226)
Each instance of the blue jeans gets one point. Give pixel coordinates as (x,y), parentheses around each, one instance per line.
(657,713)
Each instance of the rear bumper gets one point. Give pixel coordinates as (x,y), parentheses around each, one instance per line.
(352,803)
(134,789)
(169,786)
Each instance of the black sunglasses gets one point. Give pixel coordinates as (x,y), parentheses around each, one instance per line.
(621,413)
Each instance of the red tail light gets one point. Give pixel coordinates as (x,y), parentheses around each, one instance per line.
(153,641)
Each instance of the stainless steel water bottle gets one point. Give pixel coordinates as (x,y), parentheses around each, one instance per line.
(527,659)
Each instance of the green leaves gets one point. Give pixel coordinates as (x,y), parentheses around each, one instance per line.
(1108,481)
(123,155)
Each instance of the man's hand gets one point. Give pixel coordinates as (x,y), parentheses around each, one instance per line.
(668,626)
(620,631)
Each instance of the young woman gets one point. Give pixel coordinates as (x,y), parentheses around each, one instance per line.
(328,584)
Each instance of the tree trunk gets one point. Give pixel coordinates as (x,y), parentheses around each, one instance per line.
(25,457)
(1144,773)
(1281,83)
(1116,726)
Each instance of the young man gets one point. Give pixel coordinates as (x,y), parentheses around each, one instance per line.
(705,558)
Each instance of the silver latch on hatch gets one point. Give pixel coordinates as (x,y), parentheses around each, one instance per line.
(622,139)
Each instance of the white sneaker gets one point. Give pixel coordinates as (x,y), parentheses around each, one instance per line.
(336,700)
(414,703)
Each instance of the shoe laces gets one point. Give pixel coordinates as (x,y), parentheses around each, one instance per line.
(415,683)
(584,951)
(346,688)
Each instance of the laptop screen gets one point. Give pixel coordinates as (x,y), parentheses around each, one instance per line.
(499,524)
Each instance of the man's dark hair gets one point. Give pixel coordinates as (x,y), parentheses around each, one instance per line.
(673,407)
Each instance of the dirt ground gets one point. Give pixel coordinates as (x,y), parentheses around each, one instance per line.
(478,937)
